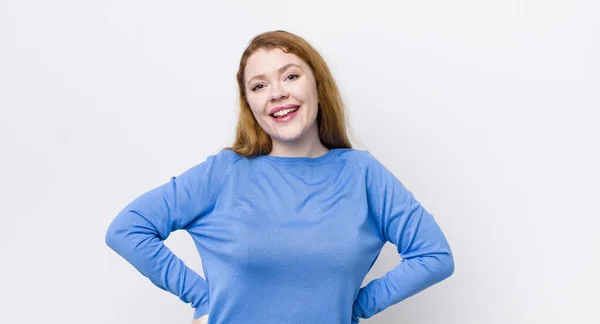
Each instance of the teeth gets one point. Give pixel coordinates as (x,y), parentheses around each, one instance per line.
(284,112)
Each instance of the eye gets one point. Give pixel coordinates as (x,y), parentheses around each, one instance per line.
(257,87)
(292,76)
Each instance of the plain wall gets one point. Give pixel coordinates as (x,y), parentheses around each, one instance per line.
(486,110)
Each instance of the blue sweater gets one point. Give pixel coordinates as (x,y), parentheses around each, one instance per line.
(284,239)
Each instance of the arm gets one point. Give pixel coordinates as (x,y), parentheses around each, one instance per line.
(138,231)
(401,220)
(201,320)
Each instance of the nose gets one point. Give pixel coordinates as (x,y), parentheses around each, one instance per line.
(278,92)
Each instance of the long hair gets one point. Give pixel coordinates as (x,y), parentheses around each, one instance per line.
(250,139)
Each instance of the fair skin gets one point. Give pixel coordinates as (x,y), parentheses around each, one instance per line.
(201,320)
(274,78)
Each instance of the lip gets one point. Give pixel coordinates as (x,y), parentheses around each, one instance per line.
(287,118)
(276,109)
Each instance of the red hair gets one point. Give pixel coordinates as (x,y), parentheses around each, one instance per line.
(251,140)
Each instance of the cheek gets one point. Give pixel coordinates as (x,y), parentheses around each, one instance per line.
(254,106)
(306,92)
(311,97)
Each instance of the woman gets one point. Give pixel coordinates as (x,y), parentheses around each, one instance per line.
(289,220)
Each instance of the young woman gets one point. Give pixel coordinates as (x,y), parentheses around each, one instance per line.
(290,219)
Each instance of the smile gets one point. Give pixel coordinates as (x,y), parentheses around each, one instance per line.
(285,114)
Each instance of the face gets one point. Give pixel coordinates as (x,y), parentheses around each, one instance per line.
(282,93)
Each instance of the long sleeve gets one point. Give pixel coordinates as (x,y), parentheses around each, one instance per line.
(426,255)
(138,231)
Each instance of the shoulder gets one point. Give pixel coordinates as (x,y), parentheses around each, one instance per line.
(373,170)
(362,159)
(216,165)
(223,160)
(225,156)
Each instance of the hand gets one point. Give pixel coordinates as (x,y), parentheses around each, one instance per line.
(201,320)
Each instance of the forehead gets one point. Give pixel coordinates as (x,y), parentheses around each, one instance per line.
(268,61)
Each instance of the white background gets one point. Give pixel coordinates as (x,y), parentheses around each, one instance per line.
(486,110)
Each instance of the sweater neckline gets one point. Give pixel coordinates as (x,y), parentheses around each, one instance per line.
(300,160)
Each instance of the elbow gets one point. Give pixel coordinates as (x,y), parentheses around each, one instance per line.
(440,267)
(117,234)
(445,266)
(112,238)
(129,232)
(448,267)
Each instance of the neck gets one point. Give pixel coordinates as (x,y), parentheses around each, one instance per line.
(308,145)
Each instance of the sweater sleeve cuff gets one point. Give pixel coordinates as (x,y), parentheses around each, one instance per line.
(200,311)
(358,311)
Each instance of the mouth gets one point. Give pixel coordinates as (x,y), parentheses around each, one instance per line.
(283,113)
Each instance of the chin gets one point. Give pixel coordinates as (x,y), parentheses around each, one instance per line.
(287,139)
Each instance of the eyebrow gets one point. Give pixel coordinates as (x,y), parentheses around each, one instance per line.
(280,70)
